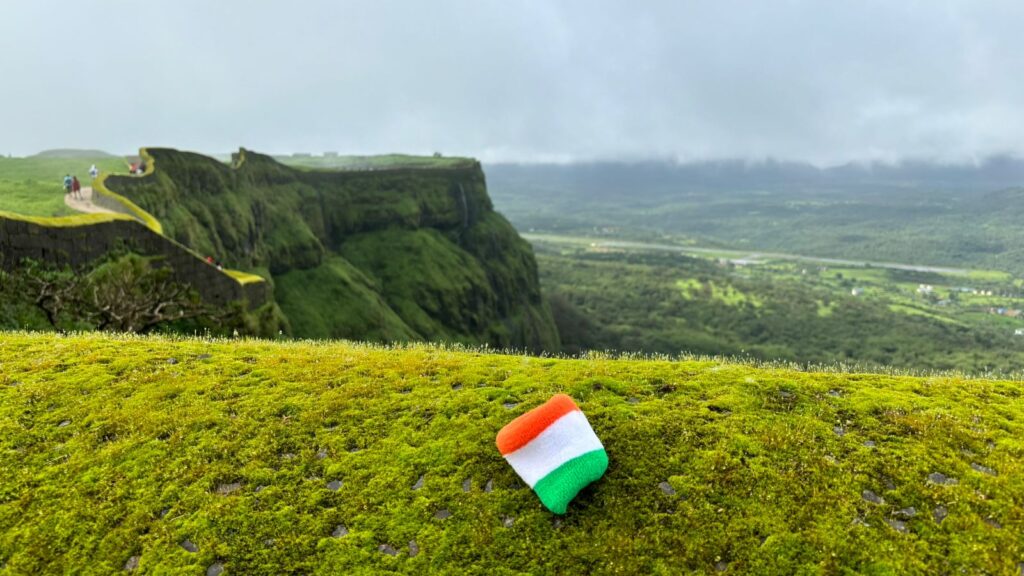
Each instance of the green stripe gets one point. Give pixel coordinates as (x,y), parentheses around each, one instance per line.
(559,487)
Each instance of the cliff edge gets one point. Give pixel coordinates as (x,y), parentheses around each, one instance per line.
(383,254)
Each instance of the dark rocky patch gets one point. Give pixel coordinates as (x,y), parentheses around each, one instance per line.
(939,514)
(132,564)
(387,549)
(489,486)
(908,512)
(334,485)
(419,483)
(467,484)
(510,405)
(414,549)
(188,545)
(215,569)
(442,514)
(664,389)
(870,496)
(667,489)
(869,443)
(983,469)
(941,479)
(508,521)
(339,531)
(839,431)
(172,361)
(897,525)
(64,423)
(225,489)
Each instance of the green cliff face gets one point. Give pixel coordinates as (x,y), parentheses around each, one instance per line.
(399,254)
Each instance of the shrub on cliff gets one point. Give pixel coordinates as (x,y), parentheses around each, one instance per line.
(123,292)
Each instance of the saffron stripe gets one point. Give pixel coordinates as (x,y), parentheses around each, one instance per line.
(520,431)
(570,436)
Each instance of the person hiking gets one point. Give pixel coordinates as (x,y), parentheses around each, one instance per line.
(67,184)
(93,172)
(76,187)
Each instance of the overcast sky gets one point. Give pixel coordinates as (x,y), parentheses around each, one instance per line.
(823,81)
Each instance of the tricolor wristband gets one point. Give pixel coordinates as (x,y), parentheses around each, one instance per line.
(554,450)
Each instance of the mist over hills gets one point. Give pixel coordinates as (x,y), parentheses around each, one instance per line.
(652,176)
(915,211)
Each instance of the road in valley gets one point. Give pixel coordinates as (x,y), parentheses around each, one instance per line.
(735,255)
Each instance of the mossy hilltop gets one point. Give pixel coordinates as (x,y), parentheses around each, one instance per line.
(384,254)
(338,458)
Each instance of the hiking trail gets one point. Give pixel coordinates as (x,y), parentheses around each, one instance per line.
(85,204)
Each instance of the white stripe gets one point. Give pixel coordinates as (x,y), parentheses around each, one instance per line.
(566,438)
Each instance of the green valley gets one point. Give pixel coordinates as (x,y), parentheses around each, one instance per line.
(660,299)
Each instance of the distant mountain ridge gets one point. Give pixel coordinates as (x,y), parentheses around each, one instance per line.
(993,172)
(913,212)
(73,153)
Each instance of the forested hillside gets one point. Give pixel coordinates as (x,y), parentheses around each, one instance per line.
(384,254)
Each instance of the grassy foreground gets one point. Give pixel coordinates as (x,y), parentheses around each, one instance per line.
(182,456)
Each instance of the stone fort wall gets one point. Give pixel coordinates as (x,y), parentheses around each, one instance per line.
(56,242)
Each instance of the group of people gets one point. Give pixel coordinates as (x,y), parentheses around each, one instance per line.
(73,187)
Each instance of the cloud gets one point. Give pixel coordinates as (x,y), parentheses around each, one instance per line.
(529,80)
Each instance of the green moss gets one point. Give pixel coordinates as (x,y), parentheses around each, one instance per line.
(65,221)
(109,449)
(244,277)
(99,187)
